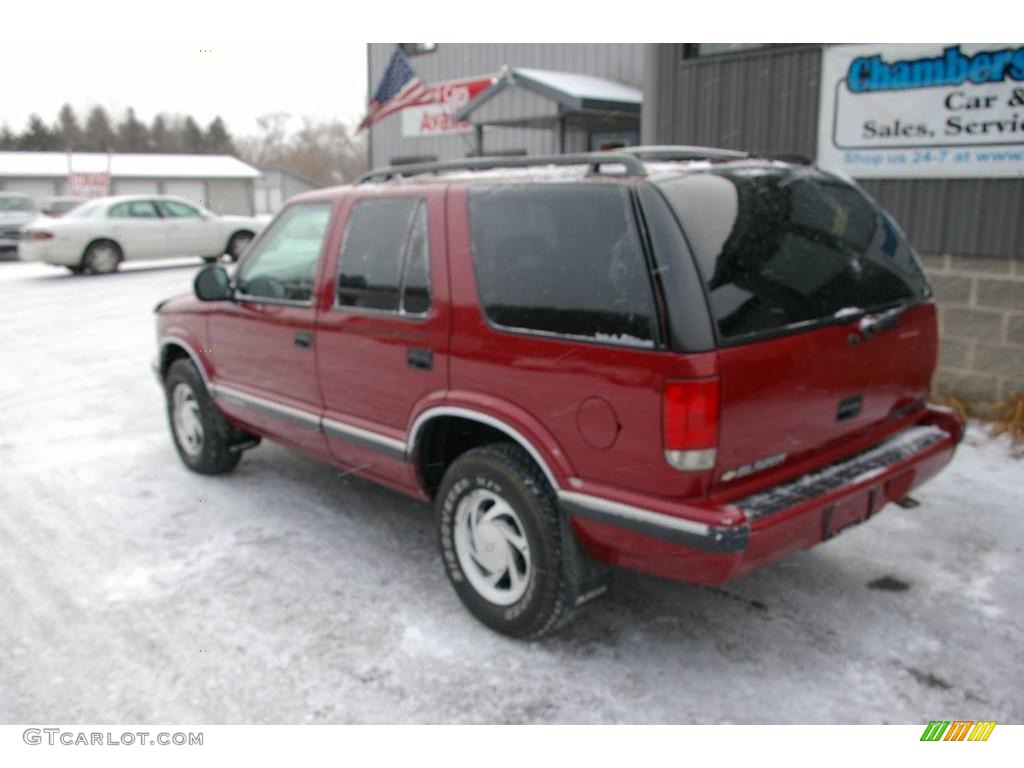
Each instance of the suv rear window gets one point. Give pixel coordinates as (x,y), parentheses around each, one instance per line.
(562,259)
(779,247)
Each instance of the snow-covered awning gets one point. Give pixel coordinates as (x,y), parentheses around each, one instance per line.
(523,96)
(122,166)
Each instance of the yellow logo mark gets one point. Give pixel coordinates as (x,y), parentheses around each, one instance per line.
(982,730)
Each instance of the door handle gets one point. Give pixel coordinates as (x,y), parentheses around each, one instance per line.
(303,339)
(419,357)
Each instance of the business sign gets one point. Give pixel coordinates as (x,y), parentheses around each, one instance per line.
(922,111)
(433,115)
(87,184)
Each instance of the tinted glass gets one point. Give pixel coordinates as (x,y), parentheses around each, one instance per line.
(783,246)
(135,209)
(416,278)
(176,210)
(282,263)
(384,237)
(562,259)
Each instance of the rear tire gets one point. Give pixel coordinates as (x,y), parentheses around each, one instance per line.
(201,434)
(501,541)
(102,258)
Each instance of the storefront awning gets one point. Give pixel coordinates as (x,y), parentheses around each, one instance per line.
(539,98)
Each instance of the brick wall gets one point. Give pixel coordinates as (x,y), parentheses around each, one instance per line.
(981,322)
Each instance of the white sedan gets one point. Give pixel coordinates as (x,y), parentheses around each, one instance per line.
(98,235)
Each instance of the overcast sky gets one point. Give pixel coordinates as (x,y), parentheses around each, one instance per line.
(239,84)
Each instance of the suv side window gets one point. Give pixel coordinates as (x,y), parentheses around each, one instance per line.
(134,209)
(562,259)
(175,210)
(385,257)
(282,264)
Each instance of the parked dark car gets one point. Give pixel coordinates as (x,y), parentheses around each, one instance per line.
(687,362)
(56,207)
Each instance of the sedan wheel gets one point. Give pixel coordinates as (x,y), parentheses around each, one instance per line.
(102,258)
(237,245)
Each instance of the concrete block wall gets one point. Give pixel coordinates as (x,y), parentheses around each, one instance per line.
(981,326)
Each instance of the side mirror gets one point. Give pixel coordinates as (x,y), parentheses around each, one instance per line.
(213,284)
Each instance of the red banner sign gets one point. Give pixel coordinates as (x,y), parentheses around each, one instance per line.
(434,114)
(81,184)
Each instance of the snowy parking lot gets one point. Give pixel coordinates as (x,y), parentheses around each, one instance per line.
(133,591)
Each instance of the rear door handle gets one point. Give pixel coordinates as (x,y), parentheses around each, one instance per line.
(303,339)
(418,357)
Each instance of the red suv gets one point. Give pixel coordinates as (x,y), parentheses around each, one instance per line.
(682,361)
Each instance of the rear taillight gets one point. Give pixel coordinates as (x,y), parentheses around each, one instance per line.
(690,424)
(36,234)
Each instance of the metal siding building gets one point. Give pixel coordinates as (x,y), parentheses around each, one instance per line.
(222,183)
(277,185)
(970,231)
(449,61)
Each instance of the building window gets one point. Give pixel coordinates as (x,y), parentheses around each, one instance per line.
(415,49)
(698,50)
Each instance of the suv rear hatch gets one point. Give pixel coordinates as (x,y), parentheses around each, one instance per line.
(824,329)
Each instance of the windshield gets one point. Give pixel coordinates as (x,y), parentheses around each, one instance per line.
(780,246)
(15,203)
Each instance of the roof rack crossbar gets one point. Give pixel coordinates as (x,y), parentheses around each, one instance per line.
(595,160)
(671,152)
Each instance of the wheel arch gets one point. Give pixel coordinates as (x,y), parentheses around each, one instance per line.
(429,426)
(173,348)
(239,230)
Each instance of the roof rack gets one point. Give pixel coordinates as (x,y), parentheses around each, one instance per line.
(670,152)
(792,158)
(633,166)
(413,159)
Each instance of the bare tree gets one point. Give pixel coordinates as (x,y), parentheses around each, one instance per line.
(324,151)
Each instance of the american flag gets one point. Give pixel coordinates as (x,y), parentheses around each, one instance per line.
(398,88)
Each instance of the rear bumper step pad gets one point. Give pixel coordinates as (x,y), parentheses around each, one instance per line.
(863,466)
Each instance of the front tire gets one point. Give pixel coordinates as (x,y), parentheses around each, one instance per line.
(501,541)
(102,258)
(237,244)
(201,435)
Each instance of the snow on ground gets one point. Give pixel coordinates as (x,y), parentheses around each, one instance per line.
(320,597)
